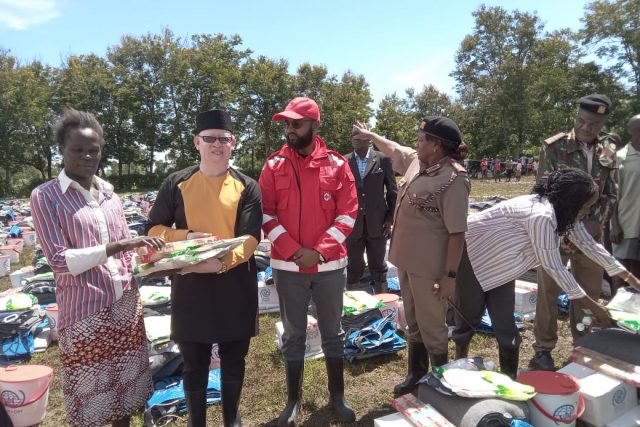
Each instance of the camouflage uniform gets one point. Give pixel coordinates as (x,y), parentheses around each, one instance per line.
(558,152)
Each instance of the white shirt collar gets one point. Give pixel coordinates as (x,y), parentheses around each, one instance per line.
(66,182)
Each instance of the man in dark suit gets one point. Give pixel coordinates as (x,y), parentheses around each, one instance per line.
(373,173)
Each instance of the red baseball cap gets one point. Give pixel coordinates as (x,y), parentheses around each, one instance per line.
(299,108)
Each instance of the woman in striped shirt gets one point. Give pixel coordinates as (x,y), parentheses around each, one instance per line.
(84,236)
(519,234)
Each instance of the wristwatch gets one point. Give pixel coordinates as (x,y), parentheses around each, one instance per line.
(452,274)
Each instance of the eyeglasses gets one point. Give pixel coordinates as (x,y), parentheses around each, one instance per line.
(211,139)
(296,124)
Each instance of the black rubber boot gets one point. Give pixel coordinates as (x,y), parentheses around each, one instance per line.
(509,361)
(294,372)
(380,287)
(335,372)
(416,368)
(438,359)
(231,392)
(462,351)
(196,408)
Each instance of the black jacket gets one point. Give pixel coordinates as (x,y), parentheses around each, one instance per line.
(210,308)
(373,201)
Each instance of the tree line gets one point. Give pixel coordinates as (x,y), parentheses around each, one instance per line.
(516,84)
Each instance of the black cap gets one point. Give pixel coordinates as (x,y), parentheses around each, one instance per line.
(441,127)
(599,104)
(213,119)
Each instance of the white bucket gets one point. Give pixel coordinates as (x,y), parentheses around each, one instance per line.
(24,391)
(5,265)
(558,401)
(52,314)
(29,238)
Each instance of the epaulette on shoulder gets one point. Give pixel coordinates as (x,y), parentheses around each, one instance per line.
(555,138)
(458,167)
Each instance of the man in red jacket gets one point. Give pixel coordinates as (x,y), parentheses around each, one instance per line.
(310,205)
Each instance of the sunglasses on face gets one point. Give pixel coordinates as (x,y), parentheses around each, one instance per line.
(295,124)
(211,139)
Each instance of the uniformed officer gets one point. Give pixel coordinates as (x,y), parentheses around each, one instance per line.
(584,148)
(429,225)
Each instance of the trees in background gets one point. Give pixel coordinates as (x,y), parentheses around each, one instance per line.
(515,85)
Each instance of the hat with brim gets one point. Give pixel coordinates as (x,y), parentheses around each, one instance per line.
(299,108)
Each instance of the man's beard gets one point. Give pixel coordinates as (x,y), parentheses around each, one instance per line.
(301,142)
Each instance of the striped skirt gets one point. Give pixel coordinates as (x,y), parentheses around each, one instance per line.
(105,364)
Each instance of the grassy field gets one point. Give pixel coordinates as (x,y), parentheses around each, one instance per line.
(368,384)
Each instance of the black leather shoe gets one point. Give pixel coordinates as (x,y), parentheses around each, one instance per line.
(542,361)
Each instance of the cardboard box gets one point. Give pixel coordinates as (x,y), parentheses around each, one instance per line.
(313,348)
(18,275)
(392,420)
(267,298)
(606,398)
(526,297)
(628,419)
(577,371)
(264,246)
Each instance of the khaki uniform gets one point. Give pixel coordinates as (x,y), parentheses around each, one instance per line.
(558,152)
(432,203)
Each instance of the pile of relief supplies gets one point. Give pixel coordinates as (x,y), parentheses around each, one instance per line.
(24,327)
(167,402)
(368,332)
(469,392)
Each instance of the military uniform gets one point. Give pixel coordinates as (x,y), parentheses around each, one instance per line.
(564,151)
(432,203)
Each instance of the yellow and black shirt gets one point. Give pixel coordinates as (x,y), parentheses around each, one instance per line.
(212,307)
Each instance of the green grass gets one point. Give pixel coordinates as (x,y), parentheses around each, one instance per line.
(368,384)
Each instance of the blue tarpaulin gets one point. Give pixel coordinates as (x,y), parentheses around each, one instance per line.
(379,337)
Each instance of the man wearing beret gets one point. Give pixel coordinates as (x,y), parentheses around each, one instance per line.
(215,301)
(428,235)
(310,206)
(373,173)
(583,147)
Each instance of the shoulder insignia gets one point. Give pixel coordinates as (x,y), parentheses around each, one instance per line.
(275,160)
(458,167)
(555,138)
(336,159)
